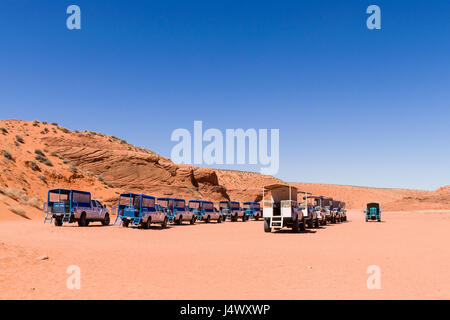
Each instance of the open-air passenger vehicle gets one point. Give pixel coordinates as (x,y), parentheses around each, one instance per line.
(252,210)
(343,211)
(336,212)
(204,211)
(232,210)
(310,213)
(327,205)
(280,208)
(139,210)
(176,210)
(373,212)
(319,209)
(68,206)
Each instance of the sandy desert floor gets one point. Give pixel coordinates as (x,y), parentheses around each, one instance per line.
(230,260)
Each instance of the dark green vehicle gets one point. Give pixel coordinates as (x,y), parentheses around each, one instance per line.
(373,212)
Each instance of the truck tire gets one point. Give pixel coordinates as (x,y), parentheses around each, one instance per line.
(149,223)
(316,223)
(82,222)
(58,221)
(180,220)
(256,218)
(208,219)
(310,223)
(106,220)
(219,220)
(164,224)
(302,226)
(244,218)
(125,223)
(192,220)
(295,226)
(267,227)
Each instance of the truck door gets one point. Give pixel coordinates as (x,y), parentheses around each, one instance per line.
(94,209)
(101,209)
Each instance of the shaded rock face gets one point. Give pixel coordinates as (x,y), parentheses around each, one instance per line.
(133,169)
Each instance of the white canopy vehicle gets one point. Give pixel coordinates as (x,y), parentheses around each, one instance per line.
(280,208)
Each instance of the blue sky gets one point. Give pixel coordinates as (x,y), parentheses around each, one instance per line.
(354,106)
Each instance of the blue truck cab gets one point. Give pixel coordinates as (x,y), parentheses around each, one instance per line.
(204,210)
(139,210)
(232,210)
(176,210)
(68,206)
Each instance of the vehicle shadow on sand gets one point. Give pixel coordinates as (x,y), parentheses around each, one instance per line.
(288,231)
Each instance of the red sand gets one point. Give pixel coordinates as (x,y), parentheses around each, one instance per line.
(230,260)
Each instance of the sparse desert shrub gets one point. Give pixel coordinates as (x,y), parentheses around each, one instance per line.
(65,161)
(7,155)
(44,122)
(123,142)
(54,154)
(19,139)
(3,130)
(44,160)
(34,202)
(19,211)
(32,165)
(65,130)
(35,123)
(14,194)
(54,123)
(42,178)
(73,168)
(45,131)
(109,185)
(39,152)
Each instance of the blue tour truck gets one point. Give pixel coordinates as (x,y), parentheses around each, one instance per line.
(232,210)
(204,210)
(252,210)
(176,210)
(68,206)
(139,210)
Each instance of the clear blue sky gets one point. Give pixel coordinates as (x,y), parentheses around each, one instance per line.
(353,106)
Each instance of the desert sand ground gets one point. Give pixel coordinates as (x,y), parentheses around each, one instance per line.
(230,260)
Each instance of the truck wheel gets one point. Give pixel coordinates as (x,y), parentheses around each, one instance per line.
(208,219)
(164,224)
(302,226)
(267,227)
(180,220)
(149,223)
(244,218)
(316,223)
(106,220)
(125,223)
(192,220)
(310,223)
(58,222)
(219,220)
(82,222)
(295,226)
(256,218)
